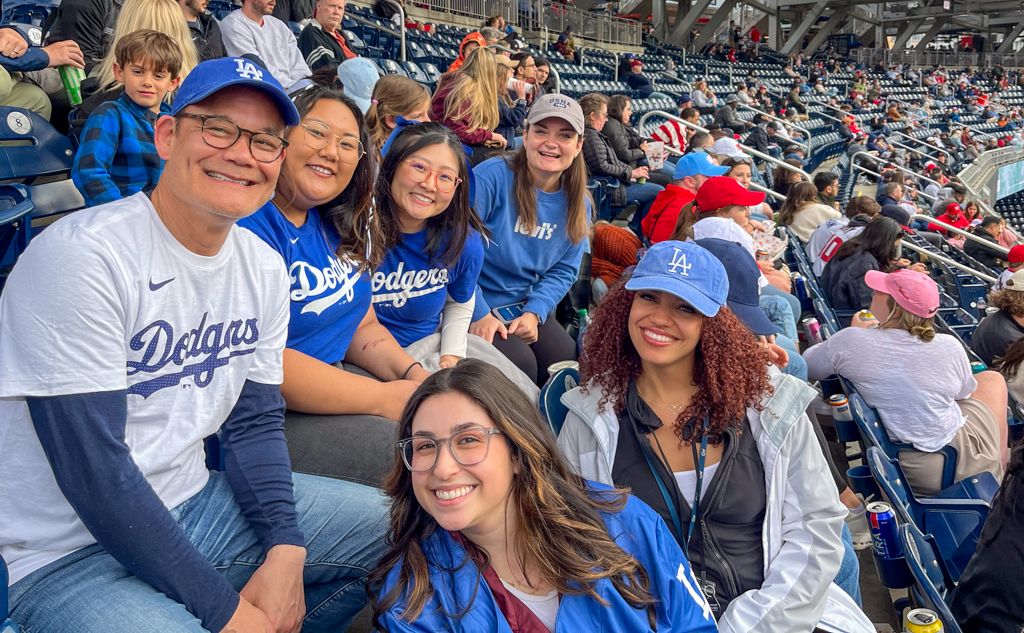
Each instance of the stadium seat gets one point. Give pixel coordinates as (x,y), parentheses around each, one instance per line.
(952,517)
(33,153)
(551,406)
(414,72)
(931,583)
(391,67)
(15,225)
(431,71)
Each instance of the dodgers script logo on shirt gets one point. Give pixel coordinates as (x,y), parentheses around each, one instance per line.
(204,343)
(313,282)
(408,284)
(541,231)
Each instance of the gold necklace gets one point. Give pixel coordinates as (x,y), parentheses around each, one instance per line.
(675,409)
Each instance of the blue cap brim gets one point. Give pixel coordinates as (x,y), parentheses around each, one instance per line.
(284,105)
(677,288)
(712,170)
(754,318)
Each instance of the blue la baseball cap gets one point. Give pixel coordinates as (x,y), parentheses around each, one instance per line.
(697,163)
(684,270)
(743,273)
(215,75)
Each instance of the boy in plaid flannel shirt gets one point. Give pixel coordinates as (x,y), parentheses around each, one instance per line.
(117,157)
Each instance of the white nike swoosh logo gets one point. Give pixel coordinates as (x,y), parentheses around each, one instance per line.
(293,241)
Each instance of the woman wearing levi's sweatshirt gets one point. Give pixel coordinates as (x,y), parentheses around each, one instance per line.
(423,290)
(536,209)
(346,378)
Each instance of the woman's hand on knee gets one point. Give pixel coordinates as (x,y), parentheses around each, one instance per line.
(487,327)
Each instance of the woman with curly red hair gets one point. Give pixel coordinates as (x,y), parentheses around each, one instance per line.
(680,405)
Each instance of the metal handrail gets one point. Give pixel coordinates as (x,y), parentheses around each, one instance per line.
(750,150)
(858,167)
(911,149)
(767,191)
(806,146)
(401,12)
(892,164)
(925,143)
(947,261)
(957,122)
(971,236)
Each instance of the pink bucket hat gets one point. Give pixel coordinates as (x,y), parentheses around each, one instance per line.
(913,291)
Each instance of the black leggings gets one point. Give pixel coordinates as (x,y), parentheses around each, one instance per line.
(553,345)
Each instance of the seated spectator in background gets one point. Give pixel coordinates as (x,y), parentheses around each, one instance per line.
(629,146)
(827,184)
(721,197)
(470,43)
(919,381)
(998,331)
(252,30)
(492,36)
(726,115)
(890,193)
(204,28)
(601,162)
(358,78)
(395,96)
(88,23)
(525,70)
(640,82)
(983,599)
(783,178)
(700,141)
(111,511)
(18,55)
(512,104)
(972,212)
(535,207)
(466,102)
(322,42)
(760,136)
(595,554)
(652,390)
(876,248)
(293,10)
(1014,262)
(692,171)
(566,45)
(827,238)
(957,193)
(803,213)
(704,99)
(953,215)
(118,157)
(544,81)
(989,229)
(673,133)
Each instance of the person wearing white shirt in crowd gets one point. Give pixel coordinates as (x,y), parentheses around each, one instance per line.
(252,30)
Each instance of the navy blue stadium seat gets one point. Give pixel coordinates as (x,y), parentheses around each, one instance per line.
(952,517)
(355,42)
(563,380)
(391,67)
(15,225)
(414,72)
(431,71)
(33,153)
(932,585)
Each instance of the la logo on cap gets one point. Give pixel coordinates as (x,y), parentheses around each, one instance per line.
(678,265)
(248,70)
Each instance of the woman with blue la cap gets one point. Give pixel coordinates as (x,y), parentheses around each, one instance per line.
(679,404)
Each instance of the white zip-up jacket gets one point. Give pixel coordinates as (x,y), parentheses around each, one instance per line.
(803,522)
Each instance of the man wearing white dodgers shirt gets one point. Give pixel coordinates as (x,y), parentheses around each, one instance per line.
(128,333)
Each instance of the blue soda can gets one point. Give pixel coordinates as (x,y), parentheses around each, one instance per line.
(884,535)
(977,367)
(800,286)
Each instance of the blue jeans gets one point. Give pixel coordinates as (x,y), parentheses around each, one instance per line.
(848,577)
(791,298)
(643,195)
(779,312)
(88,591)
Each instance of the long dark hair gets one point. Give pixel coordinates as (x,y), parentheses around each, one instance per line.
(561,532)
(448,230)
(351,211)
(616,105)
(878,238)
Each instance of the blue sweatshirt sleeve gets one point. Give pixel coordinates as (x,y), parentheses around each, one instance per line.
(258,467)
(550,288)
(100,141)
(83,437)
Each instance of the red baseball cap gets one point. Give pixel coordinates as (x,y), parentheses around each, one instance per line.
(718,192)
(954,206)
(1016,255)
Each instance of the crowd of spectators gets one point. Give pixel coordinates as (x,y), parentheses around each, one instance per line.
(359,286)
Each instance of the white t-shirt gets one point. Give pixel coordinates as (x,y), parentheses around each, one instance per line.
(687,481)
(914,385)
(107,299)
(274,43)
(544,607)
(826,240)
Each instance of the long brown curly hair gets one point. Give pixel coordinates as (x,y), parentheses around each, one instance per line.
(562,531)
(731,369)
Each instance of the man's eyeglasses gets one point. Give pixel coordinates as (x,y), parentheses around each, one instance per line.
(222,133)
(468,447)
(444,179)
(319,134)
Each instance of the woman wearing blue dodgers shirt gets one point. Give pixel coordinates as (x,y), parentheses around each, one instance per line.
(433,250)
(319,220)
(491,532)
(536,207)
